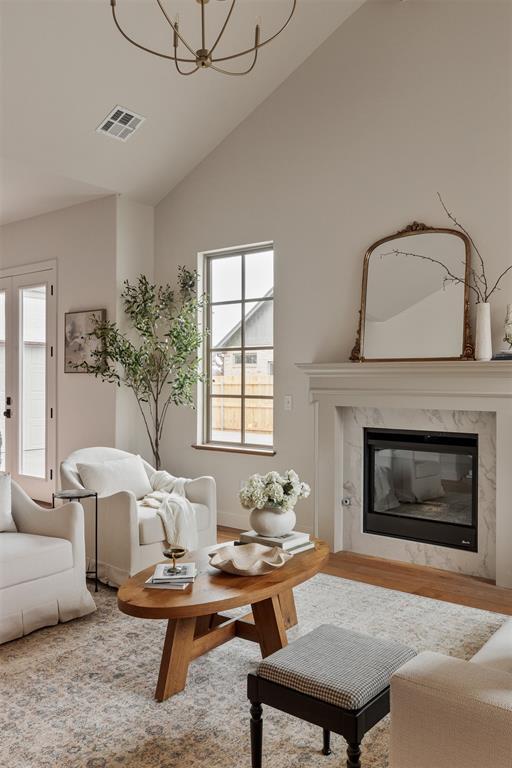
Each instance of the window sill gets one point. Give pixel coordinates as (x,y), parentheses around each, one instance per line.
(235,449)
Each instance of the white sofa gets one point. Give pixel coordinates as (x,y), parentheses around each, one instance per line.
(130,536)
(450,713)
(42,567)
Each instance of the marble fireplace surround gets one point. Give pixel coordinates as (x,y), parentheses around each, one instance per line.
(457,396)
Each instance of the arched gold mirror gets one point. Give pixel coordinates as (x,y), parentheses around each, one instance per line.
(415,297)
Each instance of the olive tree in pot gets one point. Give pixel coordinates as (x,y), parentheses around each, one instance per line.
(157,358)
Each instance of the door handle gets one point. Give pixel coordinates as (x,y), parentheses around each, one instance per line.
(7,413)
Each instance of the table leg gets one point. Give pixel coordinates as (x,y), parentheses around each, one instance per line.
(269,622)
(288,609)
(175,657)
(203,624)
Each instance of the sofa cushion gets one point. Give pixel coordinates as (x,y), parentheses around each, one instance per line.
(26,556)
(151,529)
(108,477)
(6,520)
(497,652)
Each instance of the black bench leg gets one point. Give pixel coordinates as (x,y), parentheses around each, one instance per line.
(354,755)
(326,749)
(256,734)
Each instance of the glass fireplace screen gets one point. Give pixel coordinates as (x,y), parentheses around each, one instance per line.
(422,486)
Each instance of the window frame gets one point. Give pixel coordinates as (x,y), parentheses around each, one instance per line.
(207,441)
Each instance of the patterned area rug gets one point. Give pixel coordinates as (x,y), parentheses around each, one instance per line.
(80,695)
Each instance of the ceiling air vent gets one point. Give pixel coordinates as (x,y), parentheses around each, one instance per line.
(120,123)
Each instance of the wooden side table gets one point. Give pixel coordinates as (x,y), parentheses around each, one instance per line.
(77,496)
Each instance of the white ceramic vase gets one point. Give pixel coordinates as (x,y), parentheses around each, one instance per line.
(483,345)
(272,522)
(507,336)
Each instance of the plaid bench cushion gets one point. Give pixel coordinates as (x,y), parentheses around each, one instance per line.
(336,665)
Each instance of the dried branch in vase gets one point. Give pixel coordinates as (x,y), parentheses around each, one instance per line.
(479,283)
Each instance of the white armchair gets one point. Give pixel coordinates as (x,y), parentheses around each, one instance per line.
(42,567)
(450,713)
(130,536)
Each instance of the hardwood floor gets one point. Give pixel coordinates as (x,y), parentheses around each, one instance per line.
(414,579)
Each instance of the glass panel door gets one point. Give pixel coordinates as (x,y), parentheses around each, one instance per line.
(3,405)
(33,454)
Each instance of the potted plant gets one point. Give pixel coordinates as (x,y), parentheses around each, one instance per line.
(272,499)
(157,357)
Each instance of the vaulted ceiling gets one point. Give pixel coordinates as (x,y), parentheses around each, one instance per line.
(65,66)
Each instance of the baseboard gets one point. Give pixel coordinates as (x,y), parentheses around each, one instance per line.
(239,520)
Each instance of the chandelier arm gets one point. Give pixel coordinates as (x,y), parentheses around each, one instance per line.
(223,29)
(176,31)
(143,47)
(182,72)
(265,42)
(237,74)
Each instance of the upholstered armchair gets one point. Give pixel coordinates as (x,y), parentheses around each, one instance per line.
(42,567)
(450,713)
(130,536)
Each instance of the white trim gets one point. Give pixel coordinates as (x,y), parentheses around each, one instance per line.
(24,269)
(237,249)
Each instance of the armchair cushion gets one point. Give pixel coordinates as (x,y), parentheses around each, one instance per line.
(6,520)
(27,556)
(497,652)
(110,477)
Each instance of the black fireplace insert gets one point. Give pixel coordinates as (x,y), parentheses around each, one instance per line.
(422,486)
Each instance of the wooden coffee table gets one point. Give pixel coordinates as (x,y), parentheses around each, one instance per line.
(195,620)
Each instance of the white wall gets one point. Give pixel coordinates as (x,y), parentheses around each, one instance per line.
(82,239)
(403,100)
(135,255)
(96,245)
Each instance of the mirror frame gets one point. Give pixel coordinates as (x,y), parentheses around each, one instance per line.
(467,351)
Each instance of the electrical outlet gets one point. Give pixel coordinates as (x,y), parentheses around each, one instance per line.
(288,402)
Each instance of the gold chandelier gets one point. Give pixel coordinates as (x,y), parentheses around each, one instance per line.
(204,58)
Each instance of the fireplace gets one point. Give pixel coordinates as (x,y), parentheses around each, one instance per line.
(422,486)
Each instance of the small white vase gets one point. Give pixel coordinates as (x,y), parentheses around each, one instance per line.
(507,336)
(271,522)
(483,345)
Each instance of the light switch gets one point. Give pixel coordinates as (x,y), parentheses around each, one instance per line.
(288,402)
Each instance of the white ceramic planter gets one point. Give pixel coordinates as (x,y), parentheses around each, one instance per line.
(483,345)
(271,522)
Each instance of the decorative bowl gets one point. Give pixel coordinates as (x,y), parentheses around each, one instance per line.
(248,559)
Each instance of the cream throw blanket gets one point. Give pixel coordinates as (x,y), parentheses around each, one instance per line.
(175,510)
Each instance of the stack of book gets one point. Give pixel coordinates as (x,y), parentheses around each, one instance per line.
(504,355)
(164,578)
(293,542)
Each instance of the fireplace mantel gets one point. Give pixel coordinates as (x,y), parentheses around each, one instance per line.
(480,379)
(432,386)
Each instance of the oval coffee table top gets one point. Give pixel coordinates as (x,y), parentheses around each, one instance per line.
(213,590)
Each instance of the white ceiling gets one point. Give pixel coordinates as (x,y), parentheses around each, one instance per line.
(64,66)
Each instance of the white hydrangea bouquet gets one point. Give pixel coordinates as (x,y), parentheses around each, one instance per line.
(272,498)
